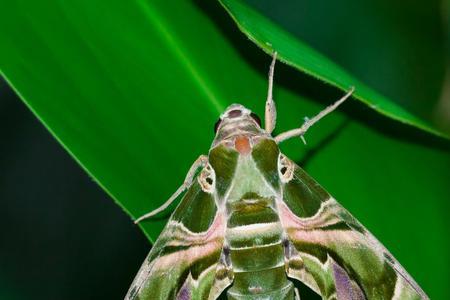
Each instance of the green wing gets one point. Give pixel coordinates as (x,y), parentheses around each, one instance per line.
(182,263)
(331,252)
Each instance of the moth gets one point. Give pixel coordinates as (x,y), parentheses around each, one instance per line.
(252,224)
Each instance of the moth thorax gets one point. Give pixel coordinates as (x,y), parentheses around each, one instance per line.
(242,145)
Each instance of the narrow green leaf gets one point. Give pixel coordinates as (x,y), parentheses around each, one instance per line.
(270,37)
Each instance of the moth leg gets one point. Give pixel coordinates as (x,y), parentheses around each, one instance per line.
(297,294)
(271,112)
(201,161)
(309,122)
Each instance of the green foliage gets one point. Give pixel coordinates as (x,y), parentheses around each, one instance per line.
(132,90)
(271,37)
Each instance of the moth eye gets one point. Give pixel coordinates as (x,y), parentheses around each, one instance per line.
(216,126)
(234,113)
(256,118)
(206,179)
(285,169)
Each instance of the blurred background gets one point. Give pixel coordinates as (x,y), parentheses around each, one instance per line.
(61,237)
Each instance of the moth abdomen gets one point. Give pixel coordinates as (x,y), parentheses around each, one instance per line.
(254,234)
(253,285)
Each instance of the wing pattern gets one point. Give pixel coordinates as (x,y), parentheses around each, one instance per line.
(331,252)
(182,263)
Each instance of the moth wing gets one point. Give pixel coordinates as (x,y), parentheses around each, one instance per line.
(332,253)
(182,263)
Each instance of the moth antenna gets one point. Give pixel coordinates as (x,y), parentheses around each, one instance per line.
(310,122)
(199,162)
(270,117)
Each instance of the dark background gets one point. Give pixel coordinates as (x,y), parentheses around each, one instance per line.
(61,237)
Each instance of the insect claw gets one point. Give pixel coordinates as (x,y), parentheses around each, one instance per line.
(303,139)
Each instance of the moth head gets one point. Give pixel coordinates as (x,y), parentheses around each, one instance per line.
(237,115)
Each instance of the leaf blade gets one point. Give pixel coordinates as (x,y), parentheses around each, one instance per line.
(270,37)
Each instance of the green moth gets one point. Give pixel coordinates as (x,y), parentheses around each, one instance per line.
(253,224)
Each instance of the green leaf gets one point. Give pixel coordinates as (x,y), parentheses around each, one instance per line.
(270,37)
(396,49)
(132,90)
